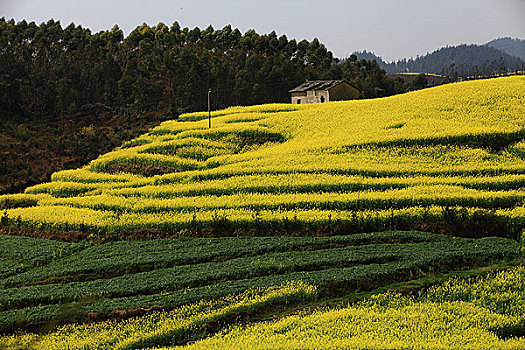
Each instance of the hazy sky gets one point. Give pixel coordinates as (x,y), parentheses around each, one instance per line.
(392,29)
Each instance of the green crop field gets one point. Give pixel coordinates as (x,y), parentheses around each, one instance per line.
(124,275)
(277,208)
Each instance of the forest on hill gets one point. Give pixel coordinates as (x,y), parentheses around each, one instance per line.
(67,94)
(513,47)
(51,72)
(460,61)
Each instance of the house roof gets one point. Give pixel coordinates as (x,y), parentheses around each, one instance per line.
(314,85)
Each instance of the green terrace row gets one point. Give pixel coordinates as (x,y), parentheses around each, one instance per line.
(354,266)
(9,267)
(81,310)
(19,254)
(269,183)
(184,276)
(121,257)
(34,252)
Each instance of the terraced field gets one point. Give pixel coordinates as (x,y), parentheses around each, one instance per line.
(131,274)
(274,206)
(460,314)
(208,283)
(364,165)
(160,328)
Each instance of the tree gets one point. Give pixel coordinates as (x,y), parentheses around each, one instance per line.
(419,82)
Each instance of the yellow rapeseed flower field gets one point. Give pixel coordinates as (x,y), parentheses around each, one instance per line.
(444,159)
(477,313)
(458,145)
(156,327)
(460,314)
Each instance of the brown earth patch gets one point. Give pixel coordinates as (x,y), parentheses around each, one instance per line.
(66,236)
(140,169)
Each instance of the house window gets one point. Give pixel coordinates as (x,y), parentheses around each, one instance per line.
(298,101)
(322,99)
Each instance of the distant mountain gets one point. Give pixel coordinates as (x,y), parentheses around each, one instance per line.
(462,60)
(513,47)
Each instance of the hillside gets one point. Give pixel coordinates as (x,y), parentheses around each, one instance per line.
(393,162)
(513,47)
(454,61)
(33,150)
(366,55)
(282,224)
(68,94)
(410,78)
(464,60)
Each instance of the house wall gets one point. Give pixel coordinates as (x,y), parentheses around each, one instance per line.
(299,97)
(343,92)
(310,96)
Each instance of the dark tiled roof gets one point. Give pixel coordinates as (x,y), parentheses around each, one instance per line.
(313,85)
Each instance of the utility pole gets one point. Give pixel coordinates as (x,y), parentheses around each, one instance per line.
(209,112)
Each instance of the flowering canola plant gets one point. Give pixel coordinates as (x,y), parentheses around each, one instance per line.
(459,145)
(460,314)
(157,327)
(477,313)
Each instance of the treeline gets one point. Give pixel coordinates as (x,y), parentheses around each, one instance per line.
(50,72)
